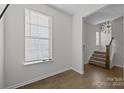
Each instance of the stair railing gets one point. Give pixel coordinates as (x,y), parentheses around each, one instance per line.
(110,51)
(4,10)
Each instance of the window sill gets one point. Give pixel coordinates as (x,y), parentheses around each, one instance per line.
(36,62)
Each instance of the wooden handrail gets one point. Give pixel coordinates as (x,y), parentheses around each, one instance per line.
(111,41)
(1,15)
(108,53)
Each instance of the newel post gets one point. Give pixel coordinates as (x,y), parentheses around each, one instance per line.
(107,57)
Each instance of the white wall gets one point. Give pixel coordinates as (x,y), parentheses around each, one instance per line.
(15,71)
(77,44)
(78,36)
(2,53)
(117,33)
(105,39)
(90,39)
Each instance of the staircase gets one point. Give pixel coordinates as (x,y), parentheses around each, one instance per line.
(98,58)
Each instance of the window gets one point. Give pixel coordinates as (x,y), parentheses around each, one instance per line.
(97,38)
(38,36)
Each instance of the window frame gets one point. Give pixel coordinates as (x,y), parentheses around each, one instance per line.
(50,59)
(98,38)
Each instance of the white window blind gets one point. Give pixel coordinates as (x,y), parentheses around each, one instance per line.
(38,36)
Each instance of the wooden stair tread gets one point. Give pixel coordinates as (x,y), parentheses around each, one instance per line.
(100,52)
(98,58)
(101,64)
(99,55)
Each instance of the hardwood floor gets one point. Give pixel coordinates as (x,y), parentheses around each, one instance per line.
(94,77)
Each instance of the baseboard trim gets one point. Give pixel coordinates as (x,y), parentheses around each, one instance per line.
(36,79)
(118,66)
(77,71)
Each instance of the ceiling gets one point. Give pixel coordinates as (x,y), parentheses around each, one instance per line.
(108,13)
(73,9)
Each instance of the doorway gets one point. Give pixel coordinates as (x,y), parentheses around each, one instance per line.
(99,28)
